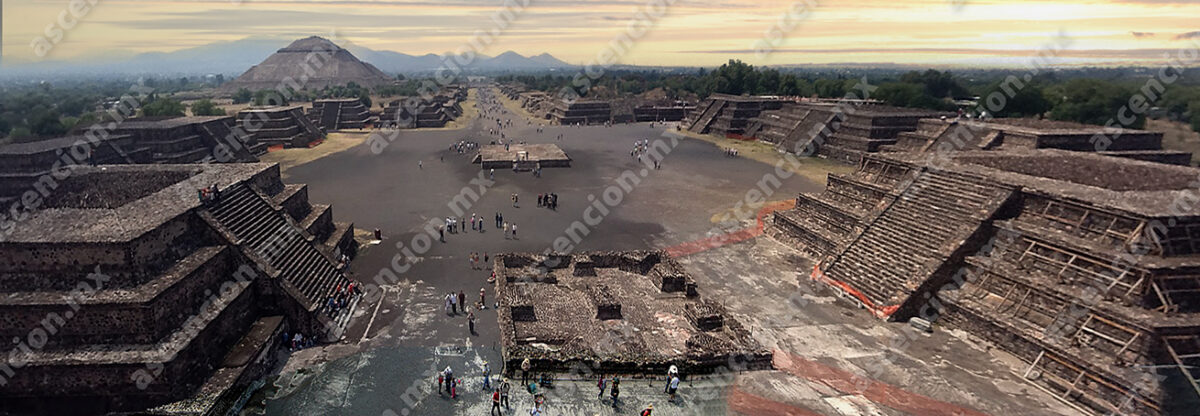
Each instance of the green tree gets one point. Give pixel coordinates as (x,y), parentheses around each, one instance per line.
(1194,115)
(163,107)
(269,97)
(1092,101)
(47,124)
(242,96)
(206,107)
(1026,100)
(908,94)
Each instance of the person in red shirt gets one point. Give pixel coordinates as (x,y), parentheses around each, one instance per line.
(496,402)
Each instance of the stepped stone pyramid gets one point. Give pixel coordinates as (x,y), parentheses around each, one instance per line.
(314,62)
(1084,266)
(161,300)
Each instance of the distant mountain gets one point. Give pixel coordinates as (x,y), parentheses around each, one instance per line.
(235,57)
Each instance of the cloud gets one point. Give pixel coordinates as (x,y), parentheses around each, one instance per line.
(1188,35)
(1141,35)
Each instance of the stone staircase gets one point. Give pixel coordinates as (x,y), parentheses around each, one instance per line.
(804,138)
(706,118)
(896,252)
(269,234)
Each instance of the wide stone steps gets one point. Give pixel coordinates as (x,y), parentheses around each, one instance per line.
(287,248)
(935,215)
(701,124)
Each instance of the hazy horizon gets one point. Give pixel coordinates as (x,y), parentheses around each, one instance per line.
(690,33)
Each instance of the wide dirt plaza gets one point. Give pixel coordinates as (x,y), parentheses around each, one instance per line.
(701,207)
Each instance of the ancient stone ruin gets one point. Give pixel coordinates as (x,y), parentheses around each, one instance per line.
(338,114)
(523,157)
(191,139)
(1081,265)
(285,126)
(314,62)
(635,312)
(581,112)
(158,296)
(936,135)
(417,112)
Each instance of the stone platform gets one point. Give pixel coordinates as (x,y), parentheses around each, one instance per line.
(634,312)
(525,156)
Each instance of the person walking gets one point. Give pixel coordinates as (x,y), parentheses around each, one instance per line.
(599,384)
(496,403)
(525,366)
(462,301)
(449,377)
(514,230)
(471,322)
(506,230)
(616,390)
(441,378)
(482,302)
(671,374)
(672,388)
(504,388)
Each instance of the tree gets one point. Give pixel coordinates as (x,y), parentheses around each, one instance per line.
(1025,102)
(1194,115)
(908,94)
(269,97)
(1091,101)
(206,107)
(163,107)
(47,124)
(242,96)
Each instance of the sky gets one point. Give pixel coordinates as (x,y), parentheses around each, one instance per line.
(676,32)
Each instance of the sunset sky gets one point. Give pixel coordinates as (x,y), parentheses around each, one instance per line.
(693,32)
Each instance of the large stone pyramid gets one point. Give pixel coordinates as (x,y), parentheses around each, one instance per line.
(323,62)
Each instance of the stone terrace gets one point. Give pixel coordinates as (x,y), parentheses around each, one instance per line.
(338,114)
(524,156)
(1024,235)
(934,135)
(616,312)
(186,297)
(286,126)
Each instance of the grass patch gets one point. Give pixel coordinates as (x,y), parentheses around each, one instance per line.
(812,168)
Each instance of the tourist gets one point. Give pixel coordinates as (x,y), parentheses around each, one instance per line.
(453,388)
(506,230)
(671,373)
(514,230)
(453,304)
(499,219)
(525,365)
(482,303)
(496,403)
(462,300)
(471,322)
(441,233)
(420,165)
(648,410)
(672,387)
(441,377)
(504,388)
(600,384)
(616,390)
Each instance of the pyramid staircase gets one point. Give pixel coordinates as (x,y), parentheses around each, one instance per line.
(899,251)
(701,124)
(271,235)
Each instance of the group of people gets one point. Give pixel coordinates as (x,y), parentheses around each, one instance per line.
(209,194)
(731,152)
(297,341)
(340,298)
(549,200)
(464,146)
(476,264)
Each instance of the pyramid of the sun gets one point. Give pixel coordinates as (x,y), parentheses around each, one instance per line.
(312,62)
